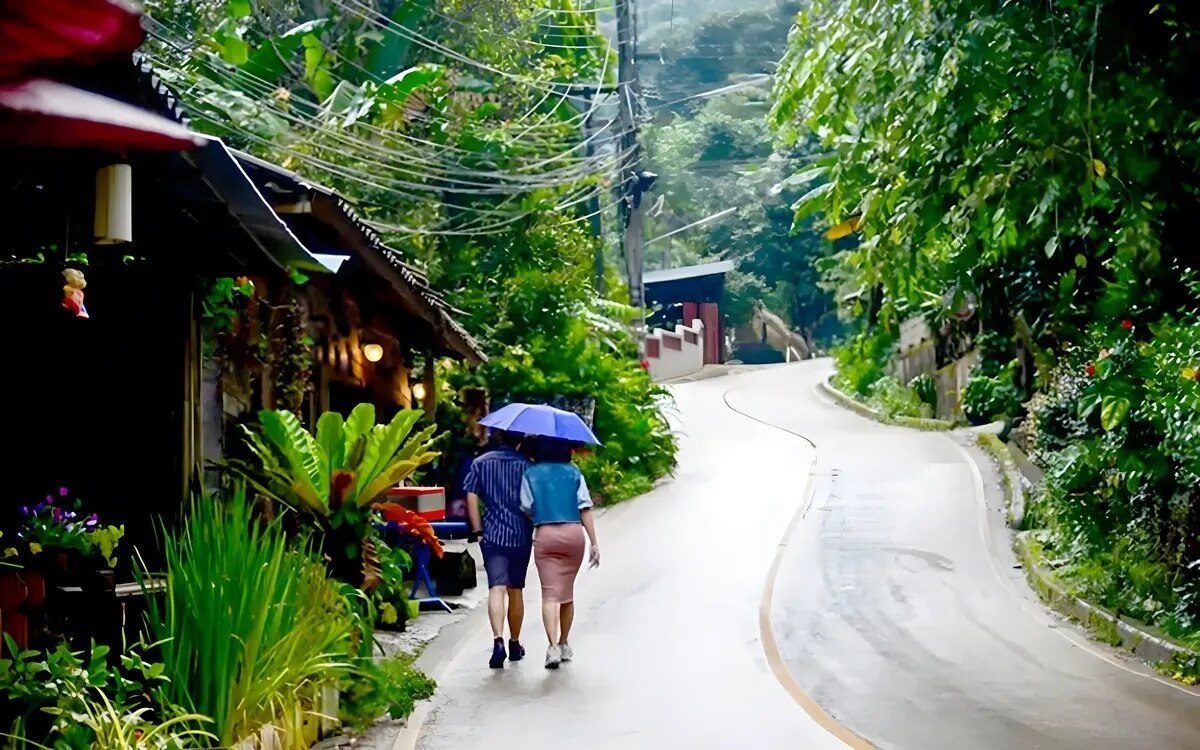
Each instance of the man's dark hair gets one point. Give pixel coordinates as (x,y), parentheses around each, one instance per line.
(508,439)
(550,451)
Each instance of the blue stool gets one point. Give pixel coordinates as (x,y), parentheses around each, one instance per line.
(421,554)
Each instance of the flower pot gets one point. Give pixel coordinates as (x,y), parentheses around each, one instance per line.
(328,708)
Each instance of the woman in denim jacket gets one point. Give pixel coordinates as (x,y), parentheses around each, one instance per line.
(556,497)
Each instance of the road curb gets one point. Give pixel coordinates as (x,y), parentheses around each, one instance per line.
(434,661)
(1116,631)
(1120,632)
(1010,477)
(861,409)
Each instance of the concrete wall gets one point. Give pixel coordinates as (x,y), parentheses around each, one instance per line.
(915,352)
(675,354)
(951,380)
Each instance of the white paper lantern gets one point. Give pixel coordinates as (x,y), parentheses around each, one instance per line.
(114,205)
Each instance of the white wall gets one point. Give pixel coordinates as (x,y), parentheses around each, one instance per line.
(669,363)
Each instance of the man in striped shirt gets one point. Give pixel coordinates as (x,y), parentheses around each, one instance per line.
(494,480)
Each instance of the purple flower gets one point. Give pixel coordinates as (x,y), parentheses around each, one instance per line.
(62,491)
(58,515)
(92,520)
(49,500)
(25,510)
(37,509)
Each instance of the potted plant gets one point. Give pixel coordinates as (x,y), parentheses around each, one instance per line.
(335,474)
(57,539)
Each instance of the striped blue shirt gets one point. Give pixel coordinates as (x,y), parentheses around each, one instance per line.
(496,478)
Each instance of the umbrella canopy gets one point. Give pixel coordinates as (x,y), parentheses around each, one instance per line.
(49,113)
(541,420)
(37,37)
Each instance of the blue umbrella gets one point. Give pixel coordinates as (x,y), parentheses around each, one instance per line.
(538,419)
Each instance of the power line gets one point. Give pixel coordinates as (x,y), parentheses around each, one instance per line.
(705,220)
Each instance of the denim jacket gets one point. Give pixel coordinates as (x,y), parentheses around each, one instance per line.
(554,493)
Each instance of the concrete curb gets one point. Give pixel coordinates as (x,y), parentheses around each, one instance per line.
(434,661)
(1010,477)
(1117,631)
(861,409)
(1130,635)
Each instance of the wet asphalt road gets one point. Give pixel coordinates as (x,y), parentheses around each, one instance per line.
(896,607)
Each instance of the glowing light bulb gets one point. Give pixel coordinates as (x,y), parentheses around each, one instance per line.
(373,352)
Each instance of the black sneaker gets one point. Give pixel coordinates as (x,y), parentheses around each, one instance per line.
(516,652)
(498,655)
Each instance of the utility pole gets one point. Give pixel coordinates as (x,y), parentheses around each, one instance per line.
(631,184)
(593,202)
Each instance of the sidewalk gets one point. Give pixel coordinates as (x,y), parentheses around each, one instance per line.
(422,636)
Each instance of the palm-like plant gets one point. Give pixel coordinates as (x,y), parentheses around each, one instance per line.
(336,474)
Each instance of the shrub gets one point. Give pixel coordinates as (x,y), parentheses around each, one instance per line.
(989,398)
(1117,434)
(390,686)
(861,361)
(892,399)
(250,629)
(926,389)
(66,700)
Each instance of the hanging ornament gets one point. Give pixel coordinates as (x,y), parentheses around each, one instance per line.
(73,286)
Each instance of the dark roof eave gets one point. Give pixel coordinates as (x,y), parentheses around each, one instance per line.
(229,182)
(409,282)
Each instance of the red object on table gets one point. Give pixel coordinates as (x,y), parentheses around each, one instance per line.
(428,502)
(412,523)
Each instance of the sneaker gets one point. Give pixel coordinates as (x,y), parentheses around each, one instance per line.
(553,657)
(567,653)
(498,655)
(516,652)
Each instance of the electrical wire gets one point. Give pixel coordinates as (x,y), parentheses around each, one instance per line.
(271,86)
(450,170)
(390,185)
(366,12)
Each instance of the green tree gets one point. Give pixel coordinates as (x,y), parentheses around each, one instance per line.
(458,139)
(723,158)
(1037,155)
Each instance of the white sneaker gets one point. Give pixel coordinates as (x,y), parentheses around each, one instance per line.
(567,653)
(553,657)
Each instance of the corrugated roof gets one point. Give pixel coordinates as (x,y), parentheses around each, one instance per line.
(688,272)
(410,275)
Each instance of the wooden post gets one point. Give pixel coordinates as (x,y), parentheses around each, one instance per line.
(430,386)
(400,383)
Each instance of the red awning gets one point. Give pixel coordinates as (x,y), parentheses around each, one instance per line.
(39,36)
(48,113)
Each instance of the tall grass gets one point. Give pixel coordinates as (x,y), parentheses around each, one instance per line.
(250,628)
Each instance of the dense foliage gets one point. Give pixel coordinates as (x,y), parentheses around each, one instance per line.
(716,152)
(459,141)
(247,651)
(1040,159)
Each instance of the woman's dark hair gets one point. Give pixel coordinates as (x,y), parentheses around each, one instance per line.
(549,451)
(508,439)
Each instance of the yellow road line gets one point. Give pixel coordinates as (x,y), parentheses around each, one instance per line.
(767,630)
(771,647)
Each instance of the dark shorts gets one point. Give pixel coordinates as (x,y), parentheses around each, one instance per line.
(506,566)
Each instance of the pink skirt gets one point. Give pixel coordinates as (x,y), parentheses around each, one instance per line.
(558,553)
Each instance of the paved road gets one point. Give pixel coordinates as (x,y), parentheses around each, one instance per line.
(667,633)
(900,610)
(895,607)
